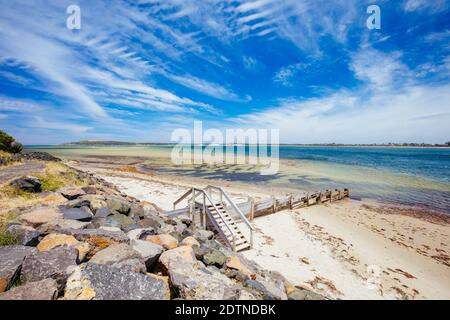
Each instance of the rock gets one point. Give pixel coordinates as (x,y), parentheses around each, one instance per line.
(40,290)
(166,284)
(165,240)
(130,227)
(215,258)
(83,214)
(150,252)
(203,235)
(44,156)
(240,264)
(270,289)
(54,240)
(136,211)
(53,264)
(78,203)
(40,216)
(25,235)
(112,229)
(140,233)
(179,256)
(185,219)
(118,204)
(28,184)
(304,294)
(119,220)
(96,202)
(103,282)
(61,223)
(190,241)
(149,223)
(72,193)
(11,260)
(192,281)
(103,212)
(119,255)
(200,251)
(98,239)
(92,189)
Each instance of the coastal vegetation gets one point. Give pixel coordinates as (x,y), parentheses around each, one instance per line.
(8,144)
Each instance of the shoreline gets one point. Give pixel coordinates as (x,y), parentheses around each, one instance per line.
(329,248)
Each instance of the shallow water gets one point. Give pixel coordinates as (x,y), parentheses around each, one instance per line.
(412,176)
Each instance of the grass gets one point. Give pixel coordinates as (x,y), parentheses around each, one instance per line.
(56,176)
(7,239)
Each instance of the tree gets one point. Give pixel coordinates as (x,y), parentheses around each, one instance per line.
(8,144)
(448,143)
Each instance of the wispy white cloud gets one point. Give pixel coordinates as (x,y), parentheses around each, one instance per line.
(389,105)
(422,5)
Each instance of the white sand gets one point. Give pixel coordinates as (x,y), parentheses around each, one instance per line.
(343,250)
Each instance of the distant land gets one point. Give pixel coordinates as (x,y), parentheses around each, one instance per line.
(390,144)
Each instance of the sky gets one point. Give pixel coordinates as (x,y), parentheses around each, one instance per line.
(138,70)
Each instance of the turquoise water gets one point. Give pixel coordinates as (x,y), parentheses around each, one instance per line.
(413,176)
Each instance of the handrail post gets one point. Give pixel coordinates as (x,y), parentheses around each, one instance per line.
(204,211)
(251,239)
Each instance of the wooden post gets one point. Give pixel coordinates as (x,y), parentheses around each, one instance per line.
(290,201)
(252,209)
(274,204)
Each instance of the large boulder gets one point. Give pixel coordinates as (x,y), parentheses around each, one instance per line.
(203,235)
(119,205)
(11,260)
(140,233)
(270,288)
(46,289)
(192,281)
(61,223)
(214,258)
(72,193)
(97,238)
(190,241)
(167,241)
(83,214)
(40,216)
(25,235)
(150,252)
(103,212)
(55,264)
(37,155)
(304,294)
(120,255)
(28,184)
(54,240)
(103,282)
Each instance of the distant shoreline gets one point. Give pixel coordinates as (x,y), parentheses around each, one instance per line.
(138,144)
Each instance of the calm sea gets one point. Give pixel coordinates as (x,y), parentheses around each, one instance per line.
(412,176)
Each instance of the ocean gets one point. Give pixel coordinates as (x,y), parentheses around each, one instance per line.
(417,177)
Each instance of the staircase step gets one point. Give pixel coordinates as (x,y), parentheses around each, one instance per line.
(243,247)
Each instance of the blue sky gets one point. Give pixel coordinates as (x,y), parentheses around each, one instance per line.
(137,70)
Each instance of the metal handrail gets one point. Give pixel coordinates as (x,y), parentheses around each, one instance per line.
(233,205)
(236,208)
(193,191)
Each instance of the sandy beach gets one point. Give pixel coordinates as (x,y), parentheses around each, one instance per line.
(345,250)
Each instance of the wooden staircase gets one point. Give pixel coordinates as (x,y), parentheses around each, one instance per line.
(241,242)
(216,214)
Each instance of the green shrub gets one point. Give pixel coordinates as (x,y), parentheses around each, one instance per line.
(8,144)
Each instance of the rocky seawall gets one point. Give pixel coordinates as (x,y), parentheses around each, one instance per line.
(98,243)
